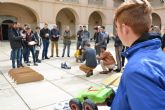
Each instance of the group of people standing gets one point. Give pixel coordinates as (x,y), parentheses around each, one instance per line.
(24,41)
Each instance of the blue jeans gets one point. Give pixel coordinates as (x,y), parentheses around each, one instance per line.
(45,48)
(16,55)
(30,49)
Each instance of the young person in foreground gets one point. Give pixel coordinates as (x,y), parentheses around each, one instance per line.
(142,85)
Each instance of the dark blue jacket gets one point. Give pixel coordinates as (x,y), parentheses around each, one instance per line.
(90,57)
(15,39)
(56,33)
(142,85)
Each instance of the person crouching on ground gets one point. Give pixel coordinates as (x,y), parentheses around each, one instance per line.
(106,60)
(89,55)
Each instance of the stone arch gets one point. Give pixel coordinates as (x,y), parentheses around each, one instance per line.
(96,18)
(156,20)
(67,17)
(18,12)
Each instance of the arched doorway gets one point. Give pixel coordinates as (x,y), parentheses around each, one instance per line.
(5,27)
(66,17)
(95,19)
(156,20)
(15,12)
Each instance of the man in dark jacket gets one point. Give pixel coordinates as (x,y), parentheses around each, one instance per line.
(55,34)
(30,42)
(99,40)
(45,35)
(85,36)
(89,55)
(16,45)
(118,49)
(105,36)
(79,37)
(38,45)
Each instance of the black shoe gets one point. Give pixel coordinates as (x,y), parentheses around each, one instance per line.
(35,64)
(43,58)
(110,70)
(51,56)
(104,72)
(22,65)
(28,64)
(47,58)
(62,56)
(89,74)
(68,56)
(38,61)
(57,56)
(117,70)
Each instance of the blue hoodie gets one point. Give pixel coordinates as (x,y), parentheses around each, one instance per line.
(142,85)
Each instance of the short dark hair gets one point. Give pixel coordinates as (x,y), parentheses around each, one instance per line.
(84,26)
(27,28)
(103,47)
(37,27)
(103,27)
(15,22)
(87,44)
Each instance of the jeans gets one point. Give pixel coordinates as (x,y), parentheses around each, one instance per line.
(45,48)
(16,55)
(68,50)
(30,49)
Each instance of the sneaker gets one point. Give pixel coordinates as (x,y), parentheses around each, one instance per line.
(22,65)
(43,58)
(35,64)
(38,61)
(117,70)
(110,70)
(89,74)
(104,72)
(47,58)
(62,56)
(28,64)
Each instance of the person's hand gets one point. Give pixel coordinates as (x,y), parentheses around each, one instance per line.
(97,56)
(46,35)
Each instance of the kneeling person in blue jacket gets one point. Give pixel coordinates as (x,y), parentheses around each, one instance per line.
(142,85)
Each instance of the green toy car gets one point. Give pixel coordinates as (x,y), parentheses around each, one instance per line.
(93,96)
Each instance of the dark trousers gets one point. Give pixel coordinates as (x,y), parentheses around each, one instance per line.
(36,55)
(118,57)
(16,56)
(68,49)
(45,48)
(97,48)
(79,44)
(30,49)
